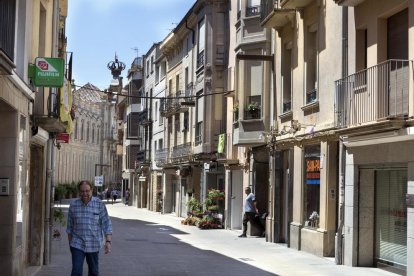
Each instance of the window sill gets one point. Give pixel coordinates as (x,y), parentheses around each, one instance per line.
(286,115)
(311,106)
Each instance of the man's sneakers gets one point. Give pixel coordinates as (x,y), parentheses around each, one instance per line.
(242,236)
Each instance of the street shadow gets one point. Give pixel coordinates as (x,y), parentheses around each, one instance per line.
(152,249)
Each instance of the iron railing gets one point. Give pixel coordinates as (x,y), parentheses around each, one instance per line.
(183,151)
(266,8)
(143,156)
(161,157)
(252,11)
(375,93)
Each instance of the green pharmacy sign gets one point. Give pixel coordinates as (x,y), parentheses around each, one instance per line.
(49,72)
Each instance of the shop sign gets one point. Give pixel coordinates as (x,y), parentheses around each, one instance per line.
(62,138)
(49,72)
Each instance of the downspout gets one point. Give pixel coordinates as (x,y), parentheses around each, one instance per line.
(48,222)
(339,239)
(50,164)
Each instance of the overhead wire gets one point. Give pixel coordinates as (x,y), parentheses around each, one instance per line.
(150,97)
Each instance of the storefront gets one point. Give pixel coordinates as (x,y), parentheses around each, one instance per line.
(376,186)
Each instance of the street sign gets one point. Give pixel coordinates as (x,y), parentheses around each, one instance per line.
(49,72)
(99,180)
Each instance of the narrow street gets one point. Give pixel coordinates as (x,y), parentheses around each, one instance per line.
(148,243)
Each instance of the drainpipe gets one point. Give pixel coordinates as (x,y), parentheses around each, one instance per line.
(50,148)
(339,239)
(47,225)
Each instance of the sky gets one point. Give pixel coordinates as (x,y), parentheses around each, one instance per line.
(97,29)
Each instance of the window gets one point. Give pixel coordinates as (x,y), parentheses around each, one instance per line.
(87,131)
(201,43)
(93,133)
(133,125)
(81,130)
(176,129)
(157,74)
(311,186)
(311,65)
(254,72)
(177,83)
(152,64)
(148,68)
(75,130)
(287,77)
(7,22)
(200,118)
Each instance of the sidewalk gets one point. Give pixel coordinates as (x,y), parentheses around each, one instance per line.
(262,257)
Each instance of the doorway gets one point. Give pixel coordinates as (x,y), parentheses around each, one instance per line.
(391,218)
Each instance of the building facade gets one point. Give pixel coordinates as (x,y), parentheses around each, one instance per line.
(90,151)
(33,115)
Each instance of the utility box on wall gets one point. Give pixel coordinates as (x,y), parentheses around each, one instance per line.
(4,187)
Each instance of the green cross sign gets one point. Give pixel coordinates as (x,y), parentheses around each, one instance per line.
(49,72)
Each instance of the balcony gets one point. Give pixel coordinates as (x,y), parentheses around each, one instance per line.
(46,112)
(200,59)
(351,3)
(272,15)
(377,93)
(167,106)
(143,156)
(161,157)
(181,153)
(252,11)
(143,118)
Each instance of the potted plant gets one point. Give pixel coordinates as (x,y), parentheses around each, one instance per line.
(253,107)
(59,216)
(236,112)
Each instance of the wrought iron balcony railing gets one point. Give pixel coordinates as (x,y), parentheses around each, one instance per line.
(182,152)
(267,7)
(143,156)
(200,59)
(252,11)
(379,92)
(161,157)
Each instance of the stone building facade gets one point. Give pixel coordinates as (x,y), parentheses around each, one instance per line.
(91,148)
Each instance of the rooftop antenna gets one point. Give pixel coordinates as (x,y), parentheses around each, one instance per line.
(135,49)
(172,29)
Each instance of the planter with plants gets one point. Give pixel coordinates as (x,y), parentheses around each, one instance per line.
(253,109)
(236,112)
(59,218)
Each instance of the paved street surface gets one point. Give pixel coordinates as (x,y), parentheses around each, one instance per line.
(148,243)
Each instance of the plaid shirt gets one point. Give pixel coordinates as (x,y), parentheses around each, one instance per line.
(87,224)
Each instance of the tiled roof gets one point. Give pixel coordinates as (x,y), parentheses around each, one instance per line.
(89,93)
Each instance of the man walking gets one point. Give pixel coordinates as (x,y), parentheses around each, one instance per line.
(250,212)
(88,223)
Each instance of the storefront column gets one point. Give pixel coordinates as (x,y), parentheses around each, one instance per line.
(410,220)
(351,211)
(328,194)
(296,225)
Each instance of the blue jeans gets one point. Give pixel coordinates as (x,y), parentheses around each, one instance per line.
(78,257)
